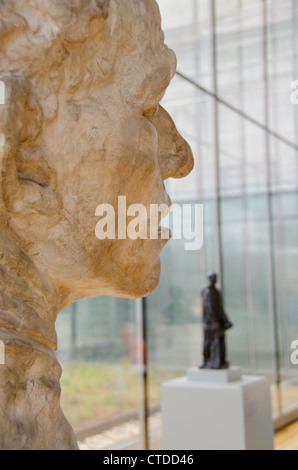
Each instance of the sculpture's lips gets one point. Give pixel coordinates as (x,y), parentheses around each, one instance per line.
(164,233)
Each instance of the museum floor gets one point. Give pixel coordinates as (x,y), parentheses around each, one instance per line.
(287,438)
(117,438)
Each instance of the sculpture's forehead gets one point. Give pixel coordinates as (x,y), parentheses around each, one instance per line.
(140,64)
(140,29)
(82,49)
(31,27)
(147,65)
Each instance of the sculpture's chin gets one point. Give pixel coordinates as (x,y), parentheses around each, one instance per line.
(143,282)
(152,281)
(130,273)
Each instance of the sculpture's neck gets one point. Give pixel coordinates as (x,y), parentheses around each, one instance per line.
(28,302)
(30,413)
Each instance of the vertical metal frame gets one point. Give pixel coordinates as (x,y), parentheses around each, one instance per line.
(141,321)
(217,146)
(73,333)
(244,164)
(273,277)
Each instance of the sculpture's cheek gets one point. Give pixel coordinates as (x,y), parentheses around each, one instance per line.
(132,152)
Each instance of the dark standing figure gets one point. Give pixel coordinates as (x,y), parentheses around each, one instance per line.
(215,324)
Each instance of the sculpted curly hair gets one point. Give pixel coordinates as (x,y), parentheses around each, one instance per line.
(37,45)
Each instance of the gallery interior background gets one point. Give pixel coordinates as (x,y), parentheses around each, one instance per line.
(231,99)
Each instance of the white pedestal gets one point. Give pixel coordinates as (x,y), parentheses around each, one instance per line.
(233,374)
(217,415)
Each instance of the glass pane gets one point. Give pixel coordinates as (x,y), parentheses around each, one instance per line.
(285,212)
(246,242)
(282,65)
(233,240)
(231,142)
(97,348)
(188,31)
(255,157)
(284,166)
(240,55)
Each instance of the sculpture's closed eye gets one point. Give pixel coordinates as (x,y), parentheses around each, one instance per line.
(36,172)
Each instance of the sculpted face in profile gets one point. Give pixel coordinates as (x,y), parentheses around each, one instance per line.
(81,125)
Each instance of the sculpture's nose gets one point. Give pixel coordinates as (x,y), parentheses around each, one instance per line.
(175,154)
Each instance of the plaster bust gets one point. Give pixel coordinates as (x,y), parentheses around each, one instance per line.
(81,125)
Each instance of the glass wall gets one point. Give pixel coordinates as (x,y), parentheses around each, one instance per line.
(231,99)
(97,348)
(254,151)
